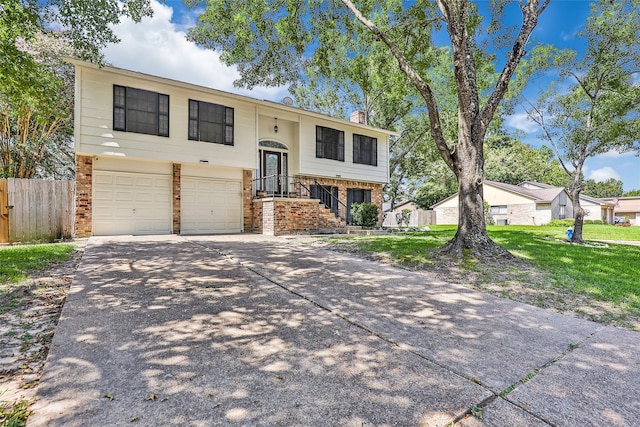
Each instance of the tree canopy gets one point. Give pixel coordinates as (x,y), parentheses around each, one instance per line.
(272,41)
(610,188)
(36,87)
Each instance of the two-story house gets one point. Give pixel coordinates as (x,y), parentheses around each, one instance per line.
(158,156)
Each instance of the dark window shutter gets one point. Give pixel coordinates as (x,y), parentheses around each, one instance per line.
(374,151)
(319,147)
(193,120)
(356,148)
(119,108)
(340,156)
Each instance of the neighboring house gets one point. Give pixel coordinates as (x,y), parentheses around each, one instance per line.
(417,217)
(626,207)
(529,203)
(597,209)
(158,156)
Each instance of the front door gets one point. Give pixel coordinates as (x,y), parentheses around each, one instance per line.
(274,172)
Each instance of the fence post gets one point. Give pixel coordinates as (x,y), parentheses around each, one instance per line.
(4,212)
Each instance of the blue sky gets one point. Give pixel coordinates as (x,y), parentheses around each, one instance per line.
(158,46)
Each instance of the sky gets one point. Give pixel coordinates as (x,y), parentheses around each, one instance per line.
(158,46)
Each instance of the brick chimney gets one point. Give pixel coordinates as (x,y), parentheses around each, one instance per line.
(358,117)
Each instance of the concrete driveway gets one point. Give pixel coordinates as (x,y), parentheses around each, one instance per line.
(254,331)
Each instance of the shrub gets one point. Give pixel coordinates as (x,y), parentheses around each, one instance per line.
(364,214)
(488,218)
(593,221)
(406,217)
(567,222)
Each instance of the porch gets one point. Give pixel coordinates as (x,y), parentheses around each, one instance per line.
(296,205)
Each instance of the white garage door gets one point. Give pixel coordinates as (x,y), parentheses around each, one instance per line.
(210,206)
(131,203)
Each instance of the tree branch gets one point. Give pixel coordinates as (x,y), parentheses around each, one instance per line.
(531,12)
(538,117)
(423,87)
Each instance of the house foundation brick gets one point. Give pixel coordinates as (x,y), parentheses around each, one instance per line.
(84,179)
(175,199)
(278,216)
(247,200)
(343,185)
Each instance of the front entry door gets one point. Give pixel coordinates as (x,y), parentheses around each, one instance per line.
(274,172)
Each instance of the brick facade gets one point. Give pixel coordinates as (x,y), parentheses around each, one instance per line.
(84,179)
(343,185)
(278,216)
(247,197)
(175,197)
(275,216)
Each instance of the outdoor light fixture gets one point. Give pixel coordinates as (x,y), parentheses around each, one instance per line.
(275,128)
(204,161)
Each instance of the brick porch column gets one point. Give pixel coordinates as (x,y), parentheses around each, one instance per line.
(84,173)
(247,200)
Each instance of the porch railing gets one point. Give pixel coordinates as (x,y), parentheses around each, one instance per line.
(293,186)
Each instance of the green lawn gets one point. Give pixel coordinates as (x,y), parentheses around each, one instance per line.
(605,273)
(17,261)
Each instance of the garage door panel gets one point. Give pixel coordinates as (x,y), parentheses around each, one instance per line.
(124,180)
(124,196)
(210,206)
(102,179)
(129,203)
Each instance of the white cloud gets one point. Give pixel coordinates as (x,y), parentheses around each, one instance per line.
(603,174)
(612,154)
(159,47)
(522,122)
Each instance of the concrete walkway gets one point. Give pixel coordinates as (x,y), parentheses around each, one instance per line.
(255,331)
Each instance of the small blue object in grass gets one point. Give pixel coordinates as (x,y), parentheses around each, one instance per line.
(569,233)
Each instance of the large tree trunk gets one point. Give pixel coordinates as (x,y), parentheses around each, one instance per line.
(471,237)
(578,215)
(466,158)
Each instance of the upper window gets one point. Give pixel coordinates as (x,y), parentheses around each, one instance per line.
(329,143)
(210,122)
(140,111)
(365,150)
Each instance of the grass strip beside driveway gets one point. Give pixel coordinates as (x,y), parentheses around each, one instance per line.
(598,281)
(17,261)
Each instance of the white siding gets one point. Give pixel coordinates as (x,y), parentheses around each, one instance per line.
(310,165)
(497,196)
(120,164)
(95,134)
(253,121)
(593,211)
(208,171)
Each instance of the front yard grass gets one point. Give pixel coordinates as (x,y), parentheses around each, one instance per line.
(32,290)
(17,261)
(600,281)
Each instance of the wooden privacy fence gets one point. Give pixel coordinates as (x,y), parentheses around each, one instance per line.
(36,210)
(418,218)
